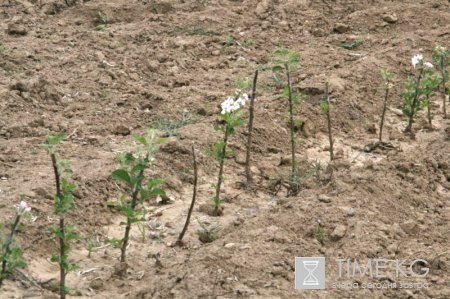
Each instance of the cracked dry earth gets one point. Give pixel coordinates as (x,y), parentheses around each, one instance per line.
(102,70)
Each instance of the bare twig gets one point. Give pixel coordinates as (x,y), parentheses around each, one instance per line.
(386,96)
(250,130)
(291,121)
(330,133)
(444,97)
(194,195)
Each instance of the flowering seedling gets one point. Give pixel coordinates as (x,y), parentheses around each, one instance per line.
(11,257)
(430,83)
(387,83)
(288,61)
(325,106)
(137,187)
(231,116)
(441,56)
(62,205)
(413,90)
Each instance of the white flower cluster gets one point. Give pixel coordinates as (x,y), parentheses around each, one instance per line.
(418,59)
(23,207)
(230,104)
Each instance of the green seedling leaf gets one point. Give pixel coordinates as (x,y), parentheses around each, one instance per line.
(121,174)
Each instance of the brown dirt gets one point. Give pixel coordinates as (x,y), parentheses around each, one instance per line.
(158,59)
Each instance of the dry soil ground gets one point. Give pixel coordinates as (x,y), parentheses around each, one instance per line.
(104,68)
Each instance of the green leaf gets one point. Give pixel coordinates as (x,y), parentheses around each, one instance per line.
(121,174)
(277,68)
(325,106)
(55,259)
(141,139)
(138,168)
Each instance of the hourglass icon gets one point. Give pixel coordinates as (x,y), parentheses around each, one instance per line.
(310,279)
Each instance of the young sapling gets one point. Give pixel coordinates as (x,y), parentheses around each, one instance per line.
(387,82)
(138,188)
(326,107)
(231,116)
(430,83)
(413,90)
(11,257)
(288,61)
(441,56)
(62,205)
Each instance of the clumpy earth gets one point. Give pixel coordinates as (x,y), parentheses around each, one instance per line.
(102,70)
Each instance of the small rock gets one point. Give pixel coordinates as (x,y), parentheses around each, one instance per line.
(396,111)
(340,28)
(350,212)
(215,53)
(324,198)
(390,18)
(230,245)
(122,130)
(339,232)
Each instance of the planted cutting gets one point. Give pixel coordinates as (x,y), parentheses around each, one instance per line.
(441,56)
(250,131)
(288,62)
(138,188)
(430,83)
(326,107)
(11,254)
(62,205)
(387,83)
(194,195)
(231,118)
(413,90)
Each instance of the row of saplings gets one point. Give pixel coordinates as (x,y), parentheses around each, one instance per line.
(133,165)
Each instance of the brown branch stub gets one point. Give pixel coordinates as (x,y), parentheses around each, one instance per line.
(194,195)
(250,131)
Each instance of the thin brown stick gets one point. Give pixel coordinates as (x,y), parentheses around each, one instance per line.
(194,195)
(291,121)
(444,94)
(383,113)
(250,131)
(62,245)
(330,133)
